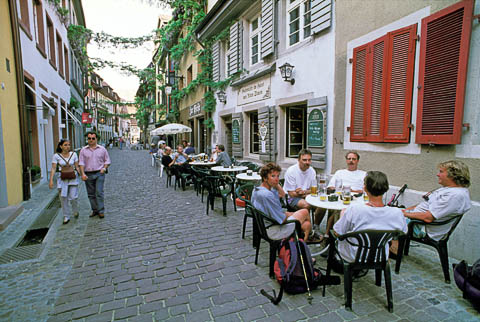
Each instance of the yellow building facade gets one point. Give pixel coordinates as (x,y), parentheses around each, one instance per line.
(11,191)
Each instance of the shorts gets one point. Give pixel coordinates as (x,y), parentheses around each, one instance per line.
(293,201)
(419,231)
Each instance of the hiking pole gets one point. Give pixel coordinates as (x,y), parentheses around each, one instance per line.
(310,297)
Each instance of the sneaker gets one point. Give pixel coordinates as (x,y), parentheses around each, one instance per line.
(66,221)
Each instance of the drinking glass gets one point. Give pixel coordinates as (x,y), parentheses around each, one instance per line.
(338,186)
(313,188)
(347,195)
(323,193)
(322,180)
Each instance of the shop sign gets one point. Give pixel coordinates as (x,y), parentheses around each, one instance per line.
(195,109)
(315,129)
(87,118)
(235,131)
(254,91)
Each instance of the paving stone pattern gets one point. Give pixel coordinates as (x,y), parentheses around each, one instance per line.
(158,257)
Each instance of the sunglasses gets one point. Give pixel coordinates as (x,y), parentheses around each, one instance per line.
(353,159)
(91,138)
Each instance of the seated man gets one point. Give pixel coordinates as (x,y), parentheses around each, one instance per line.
(450,200)
(180,157)
(298,180)
(372,215)
(266,199)
(190,149)
(166,158)
(351,177)
(222,157)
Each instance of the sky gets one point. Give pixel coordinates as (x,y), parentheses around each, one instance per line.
(125,18)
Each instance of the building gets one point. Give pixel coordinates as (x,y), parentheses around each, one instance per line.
(47,63)
(14,168)
(407,95)
(264,116)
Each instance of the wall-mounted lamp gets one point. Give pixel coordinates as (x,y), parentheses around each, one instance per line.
(286,70)
(222,97)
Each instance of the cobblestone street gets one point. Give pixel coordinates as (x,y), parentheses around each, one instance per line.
(157,257)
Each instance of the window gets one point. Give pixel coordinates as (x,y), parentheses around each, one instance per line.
(299,21)
(39,27)
(67,65)
(24,17)
(382,86)
(60,55)
(189,74)
(254,40)
(254,137)
(442,74)
(296,123)
(51,42)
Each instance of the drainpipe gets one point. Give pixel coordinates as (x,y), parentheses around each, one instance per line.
(24,137)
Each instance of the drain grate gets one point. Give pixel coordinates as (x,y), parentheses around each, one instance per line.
(23,253)
(47,216)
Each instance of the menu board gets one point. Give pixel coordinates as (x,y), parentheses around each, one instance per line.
(235,131)
(315,129)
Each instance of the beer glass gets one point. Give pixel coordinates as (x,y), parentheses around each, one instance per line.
(323,193)
(338,186)
(322,180)
(313,188)
(347,195)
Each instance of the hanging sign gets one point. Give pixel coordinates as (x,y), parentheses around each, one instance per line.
(87,118)
(263,130)
(315,129)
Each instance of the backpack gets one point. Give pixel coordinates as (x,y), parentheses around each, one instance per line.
(467,279)
(67,172)
(290,274)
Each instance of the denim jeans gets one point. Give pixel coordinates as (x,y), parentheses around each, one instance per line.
(94,186)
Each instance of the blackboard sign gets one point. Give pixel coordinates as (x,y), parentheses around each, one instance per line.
(315,125)
(235,131)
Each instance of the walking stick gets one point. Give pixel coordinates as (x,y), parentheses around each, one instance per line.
(310,297)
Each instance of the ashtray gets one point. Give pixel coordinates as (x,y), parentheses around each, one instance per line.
(332,197)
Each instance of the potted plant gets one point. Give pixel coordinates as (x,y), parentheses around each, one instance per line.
(35,173)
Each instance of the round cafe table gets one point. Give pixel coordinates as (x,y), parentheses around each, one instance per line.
(202,163)
(225,171)
(254,177)
(332,205)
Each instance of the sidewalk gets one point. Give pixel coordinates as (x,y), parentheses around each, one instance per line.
(157,257)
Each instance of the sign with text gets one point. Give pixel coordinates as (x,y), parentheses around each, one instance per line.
(87,118)
(235,131)
(256,90)
(315,129)
(195,109)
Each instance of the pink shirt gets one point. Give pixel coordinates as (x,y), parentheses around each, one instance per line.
(93,159)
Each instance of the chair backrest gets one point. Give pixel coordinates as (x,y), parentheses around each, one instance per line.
(456,220)
(259,220)
(370,244)
(244,192)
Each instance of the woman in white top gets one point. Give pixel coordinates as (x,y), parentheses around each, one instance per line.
(68,189)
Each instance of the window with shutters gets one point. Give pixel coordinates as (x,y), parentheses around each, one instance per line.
(296,134)
(254,136)
(444,52)
(299,21)
(24,16)
(60,55)
(382,87)
(51,43)
(255,40)
(39,27)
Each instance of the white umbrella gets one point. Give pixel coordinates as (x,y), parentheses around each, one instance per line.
(172,128)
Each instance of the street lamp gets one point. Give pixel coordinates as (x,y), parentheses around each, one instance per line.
(222,97)
(286,70)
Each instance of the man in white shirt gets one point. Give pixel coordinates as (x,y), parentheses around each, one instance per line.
(451,200)
(298,180)
(350,176)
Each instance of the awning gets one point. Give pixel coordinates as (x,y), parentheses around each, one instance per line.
(51,110)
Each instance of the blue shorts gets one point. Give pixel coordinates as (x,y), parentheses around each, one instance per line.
(293,201)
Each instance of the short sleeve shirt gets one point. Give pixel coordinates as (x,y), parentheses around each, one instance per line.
(93,159)
(352,178)
(362,217)
(57,159)
(296,178)
(268,202)
(444,203)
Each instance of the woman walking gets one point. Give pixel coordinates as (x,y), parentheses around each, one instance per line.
(68,186)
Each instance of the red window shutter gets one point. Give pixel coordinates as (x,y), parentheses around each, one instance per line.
(376,89)
(357,123)
(399,84)
(442,76)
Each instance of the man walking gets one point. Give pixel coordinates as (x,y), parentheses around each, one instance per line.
(94,162)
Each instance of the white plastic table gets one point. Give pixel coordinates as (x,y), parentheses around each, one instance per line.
(202,163)
(234,169)
(332,205)
(254,177)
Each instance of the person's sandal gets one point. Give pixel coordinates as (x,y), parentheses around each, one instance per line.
(314,240)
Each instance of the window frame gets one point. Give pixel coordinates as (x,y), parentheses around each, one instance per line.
(300,5)
(253,116)
(288,122)
(253,34)
(51,43)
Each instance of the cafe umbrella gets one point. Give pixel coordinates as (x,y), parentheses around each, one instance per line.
(172,128)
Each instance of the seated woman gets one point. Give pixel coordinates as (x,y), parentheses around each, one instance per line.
(371,215)
(266,198)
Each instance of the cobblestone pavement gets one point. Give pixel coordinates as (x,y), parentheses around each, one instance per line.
(157,257)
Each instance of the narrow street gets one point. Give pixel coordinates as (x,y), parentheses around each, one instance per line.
(157,257)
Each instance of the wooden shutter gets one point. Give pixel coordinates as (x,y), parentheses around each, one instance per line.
(237,148)
(235,48)
(216,61)
(321,15)
(357,123)
(267,115)
(444,51)
(376,75)
(399,87)
(267,36)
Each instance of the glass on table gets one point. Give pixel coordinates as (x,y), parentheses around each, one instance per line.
(313,188)
(338,186)
(323,193)
(347,195)
(322,180)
